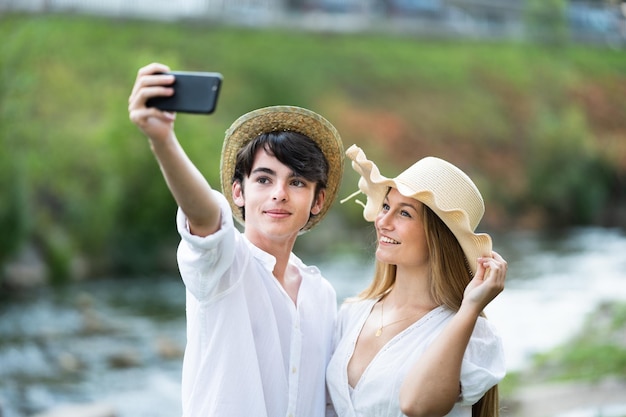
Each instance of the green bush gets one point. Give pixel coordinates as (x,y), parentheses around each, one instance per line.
(568,176)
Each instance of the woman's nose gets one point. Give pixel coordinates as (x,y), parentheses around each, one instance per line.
(383,220)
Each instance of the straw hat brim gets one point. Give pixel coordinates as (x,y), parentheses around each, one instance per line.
(283,118)
(427,185)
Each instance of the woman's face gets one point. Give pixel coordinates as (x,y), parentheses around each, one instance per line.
(400,231)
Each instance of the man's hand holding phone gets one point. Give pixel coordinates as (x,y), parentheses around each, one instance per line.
(154,123)
(159,93)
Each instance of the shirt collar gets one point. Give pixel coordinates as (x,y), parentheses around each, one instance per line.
(265,258)
(269,261)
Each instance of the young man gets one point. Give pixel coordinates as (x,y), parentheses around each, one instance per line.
(259,321)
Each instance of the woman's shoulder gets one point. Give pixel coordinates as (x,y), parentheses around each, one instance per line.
(485,338)
(485,327)
(355,307)
(351,313)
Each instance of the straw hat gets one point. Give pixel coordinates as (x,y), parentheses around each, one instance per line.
(283,118)
(443,187)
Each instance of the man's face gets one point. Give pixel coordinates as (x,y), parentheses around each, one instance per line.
(277,202)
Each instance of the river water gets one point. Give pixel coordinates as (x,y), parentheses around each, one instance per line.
(119,342)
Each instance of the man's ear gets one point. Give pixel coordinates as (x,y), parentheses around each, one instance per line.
(237,190)
(318,203)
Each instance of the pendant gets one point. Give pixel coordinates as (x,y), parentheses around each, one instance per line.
(379,332)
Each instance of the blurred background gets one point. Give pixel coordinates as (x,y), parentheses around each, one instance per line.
(527,97)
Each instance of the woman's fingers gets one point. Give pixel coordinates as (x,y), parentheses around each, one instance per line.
(495,268)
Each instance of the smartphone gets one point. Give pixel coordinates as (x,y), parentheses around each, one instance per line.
(194,92)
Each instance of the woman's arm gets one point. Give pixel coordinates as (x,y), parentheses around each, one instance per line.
(433,385)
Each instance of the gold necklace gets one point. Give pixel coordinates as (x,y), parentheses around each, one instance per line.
(379,331)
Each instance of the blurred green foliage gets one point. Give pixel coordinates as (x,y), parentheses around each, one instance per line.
(572,193)
(546,21)
(538,129)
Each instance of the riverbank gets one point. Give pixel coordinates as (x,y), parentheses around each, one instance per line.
(584,376)
(573,399)
(130,366)
(118,342)
(606,398)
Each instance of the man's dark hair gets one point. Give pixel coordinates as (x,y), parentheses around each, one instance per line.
(295,150)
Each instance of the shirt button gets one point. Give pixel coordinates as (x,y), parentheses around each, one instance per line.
(294,370)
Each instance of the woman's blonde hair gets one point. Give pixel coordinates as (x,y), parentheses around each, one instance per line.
(449,275)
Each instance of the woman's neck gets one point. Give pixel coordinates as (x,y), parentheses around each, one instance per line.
(411,290)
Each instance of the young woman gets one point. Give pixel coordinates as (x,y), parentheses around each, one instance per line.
(416,342)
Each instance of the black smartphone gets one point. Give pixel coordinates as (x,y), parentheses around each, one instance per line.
(194,92)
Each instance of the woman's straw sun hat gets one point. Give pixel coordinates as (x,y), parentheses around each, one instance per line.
(283,118)
(443,187)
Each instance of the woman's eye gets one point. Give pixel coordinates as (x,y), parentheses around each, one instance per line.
(405,214)
(385,207)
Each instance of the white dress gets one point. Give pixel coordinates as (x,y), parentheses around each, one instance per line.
(377,392)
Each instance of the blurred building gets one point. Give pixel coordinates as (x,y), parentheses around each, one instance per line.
(588,21)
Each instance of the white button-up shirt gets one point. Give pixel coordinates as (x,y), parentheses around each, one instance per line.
(250,350)
(377,392)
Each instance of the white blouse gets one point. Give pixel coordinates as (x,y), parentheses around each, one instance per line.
(378,391)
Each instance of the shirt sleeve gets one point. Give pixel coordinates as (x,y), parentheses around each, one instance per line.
(483,363)
(204,261)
